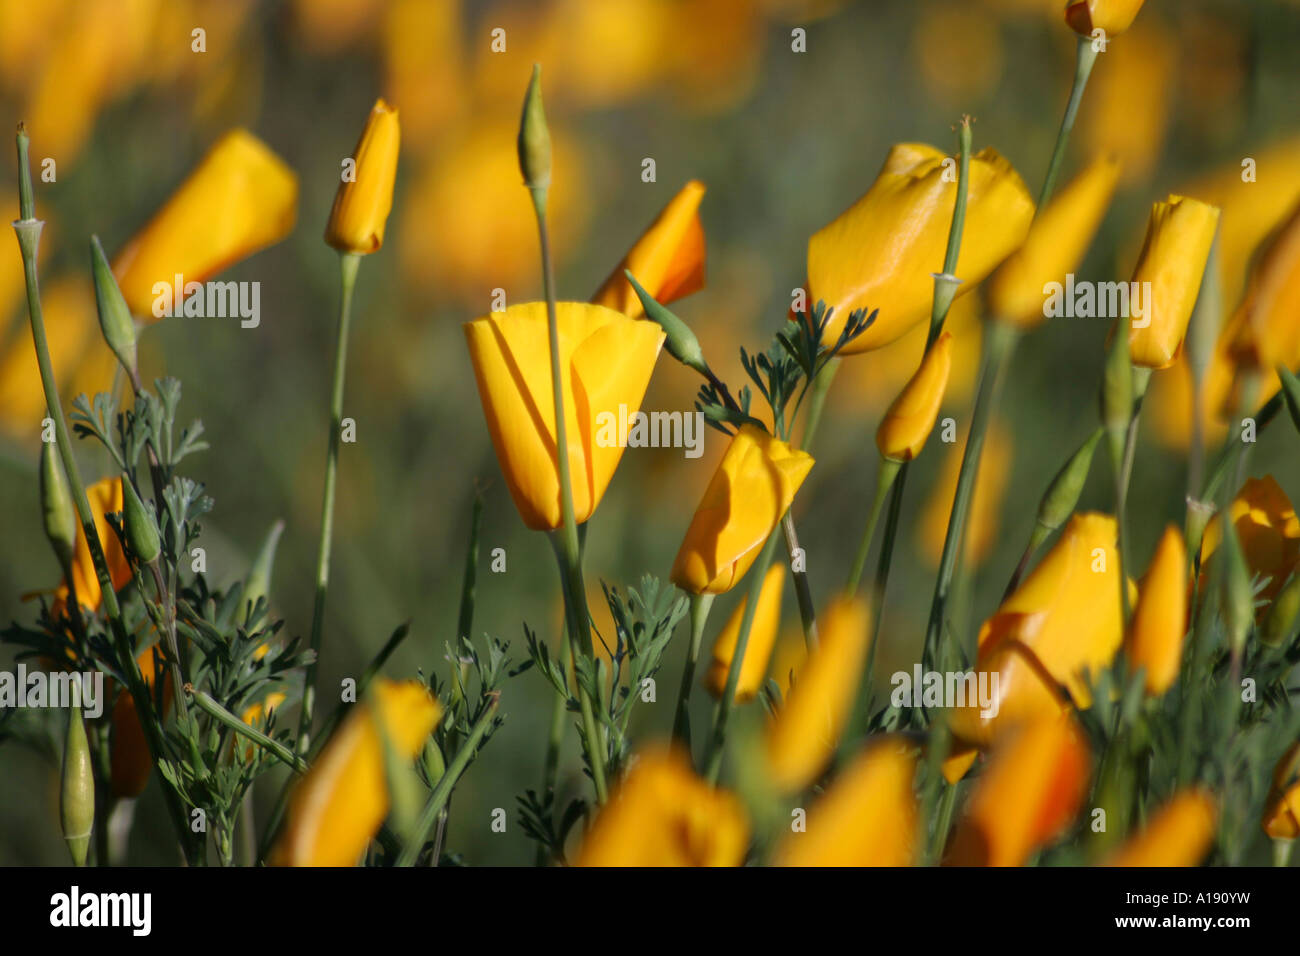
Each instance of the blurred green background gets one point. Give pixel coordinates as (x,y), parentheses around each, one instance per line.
(710,90)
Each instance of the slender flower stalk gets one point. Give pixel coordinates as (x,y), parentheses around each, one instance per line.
(1085,57)
(700,606)
(722,713)
(28,230)
(349,263)
(535,163)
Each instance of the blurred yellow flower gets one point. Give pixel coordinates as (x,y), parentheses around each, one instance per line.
(81,360)
(867,817)
(423,63)
(1111,16)
(748,494)
(1269,532)
(339,804)
(487,237)
(256,715)
(365,194)
(606,359)
(1127,108)
(958,49)
(1265,332)
(1062,624)
(662,814)
(788,657)
(882,251)
(1056,245)
(1172,260)
(1178,834)
(1026,797)
(758,649)
(910,419)
(801,738)
(246,199)
(984,519)
(1155,640)
(668,259)
(1282,807)
(325,26)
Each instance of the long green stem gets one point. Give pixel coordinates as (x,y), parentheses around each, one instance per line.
(802,587)
(885,475)
(213,709)
(554,738)
(568,551)
(349,263)
(722,714)
(700,606)
(1085,57)
(28,230)
(442,791)
(998,345)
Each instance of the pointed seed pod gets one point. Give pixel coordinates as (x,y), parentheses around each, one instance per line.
(114,317)
(534,137)
(681,341)
(141,532)
(77,792)
(1062,495)
(57,511)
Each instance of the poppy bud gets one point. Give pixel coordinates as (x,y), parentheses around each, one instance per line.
(534,137)
(141,531)
(57,510)
(77,791)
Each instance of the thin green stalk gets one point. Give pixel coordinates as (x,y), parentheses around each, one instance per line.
(802,588)
(554,738)
(722,713)
(213,709)
(568,550)
(881,583)
(28,229)
(821,387)
(1085,57)
(442,791)
(885,476)
(999,343)
(700,606)
(349,263)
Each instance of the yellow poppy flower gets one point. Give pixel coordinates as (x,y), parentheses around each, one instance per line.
(1266,333)
(881,252)
(1159,623)
(668,259)
(867,817)
(1178,834)
(662,814)
(105,498)
(1056,244)
(910,419)
(1025,798)
(245,199)
(748,494)
(1177,246)
(801,738)
(362,203)
(758,649)
(606,360)
(130,761)
(338,806)
(1269,532)
(1061,625)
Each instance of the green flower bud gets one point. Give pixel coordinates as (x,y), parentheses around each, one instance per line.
(57,510)
(114,317)
(258,583)
(1062,494)
(1282,616)
(77,792)
(681,341)
(534,137)
(141,531)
